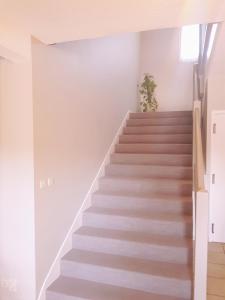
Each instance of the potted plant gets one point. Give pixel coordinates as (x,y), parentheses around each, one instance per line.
(147,88)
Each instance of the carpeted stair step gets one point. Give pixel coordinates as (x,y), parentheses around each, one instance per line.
(156,138)
(154,148)
(67,288)
(140,274)
(145,186)
(160,114)
(130,220)
(152,203)
(134,244)
(160,121)
(161,129)
(152,159)
(145,171)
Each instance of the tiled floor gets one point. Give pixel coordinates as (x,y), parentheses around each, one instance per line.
(216,272)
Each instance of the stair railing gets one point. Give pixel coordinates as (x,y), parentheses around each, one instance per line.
(200,193)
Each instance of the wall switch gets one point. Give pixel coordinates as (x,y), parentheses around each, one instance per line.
(50,181)
(42,184)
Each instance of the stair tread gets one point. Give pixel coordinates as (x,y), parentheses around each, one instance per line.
(157,129)
(153,154)
(132,236)
(163,217)
(153,122)
(90,290)
(156,139)
(131,264)
(150,159)
(159,126)
(160,114)
(168,136)
(147,166)
(165,117)
(146,171)
(156,144)
(124,178)
(154,148)
(149,197)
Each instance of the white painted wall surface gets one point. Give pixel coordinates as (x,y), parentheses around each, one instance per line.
(17,257)
(14,43)
(216,86)
(217,190)
(69,20)
(82,90)
(160,56)
(216,102)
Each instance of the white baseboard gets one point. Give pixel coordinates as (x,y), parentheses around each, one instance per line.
(66,246)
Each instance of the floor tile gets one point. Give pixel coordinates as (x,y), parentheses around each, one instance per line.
(212,297)
(216,270)
(216,247)
(217,258)
(216,286)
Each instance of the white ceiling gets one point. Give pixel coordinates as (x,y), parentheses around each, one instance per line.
(54,21)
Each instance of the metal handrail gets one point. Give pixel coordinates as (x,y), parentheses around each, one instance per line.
(200,68)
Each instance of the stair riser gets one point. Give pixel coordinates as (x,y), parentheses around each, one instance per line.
(156,138)
(140,187)
(123,278)
(162,114)
(156,205)
(158,129)
(133,249)
(57,296)
(146,171)
(154,148)
(152,159)
(160,121)
(179,229)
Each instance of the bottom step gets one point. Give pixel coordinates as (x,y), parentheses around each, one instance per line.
(65,288)
(144,275)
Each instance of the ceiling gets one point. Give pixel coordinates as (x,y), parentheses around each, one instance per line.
(54,21)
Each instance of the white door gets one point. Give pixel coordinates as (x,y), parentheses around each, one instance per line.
(217,188)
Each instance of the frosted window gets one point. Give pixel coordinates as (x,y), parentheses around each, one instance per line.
(190,42)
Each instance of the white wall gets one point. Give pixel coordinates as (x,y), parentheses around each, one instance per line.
(17,258)
(14,43)
(82,90)
(160,56)
(61,21)
(216,86)
(216,100)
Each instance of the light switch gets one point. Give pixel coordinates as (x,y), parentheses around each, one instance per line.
(42,184)
(50,181)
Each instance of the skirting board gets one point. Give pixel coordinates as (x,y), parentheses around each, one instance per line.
(54,270)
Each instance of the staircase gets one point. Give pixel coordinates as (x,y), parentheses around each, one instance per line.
(136,238)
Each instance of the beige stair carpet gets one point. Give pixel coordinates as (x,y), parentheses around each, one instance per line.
(136,238)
